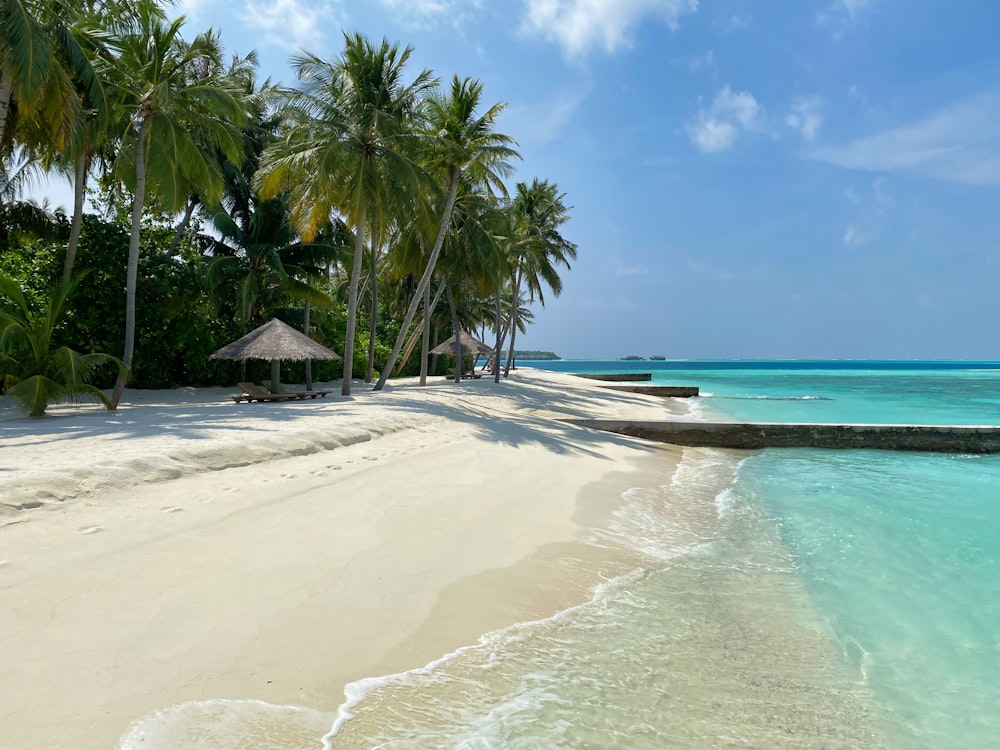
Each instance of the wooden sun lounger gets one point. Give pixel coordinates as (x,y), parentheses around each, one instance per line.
(297,394)
(252,393)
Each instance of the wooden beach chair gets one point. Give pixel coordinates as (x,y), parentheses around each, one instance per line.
(469,375)
(252,393)
(297,394)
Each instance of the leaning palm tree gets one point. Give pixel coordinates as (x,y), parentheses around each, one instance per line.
(32,371)
(175,117)
(461,143)
(536,247)
(347,148)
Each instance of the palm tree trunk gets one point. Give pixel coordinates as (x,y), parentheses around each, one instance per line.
(515,296)
(79,189)
(352,304)
(6,88)
(370,371)
(426,345)
(182,227)
(132,271)
(309,362)
(424,280)
(496,351)
(434,357)
(459,364)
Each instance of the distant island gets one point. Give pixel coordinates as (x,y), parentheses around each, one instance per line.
(535,354)
(632,358)
(658,357)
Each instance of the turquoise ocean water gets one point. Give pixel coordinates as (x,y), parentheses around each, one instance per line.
(778,599)
(898,553)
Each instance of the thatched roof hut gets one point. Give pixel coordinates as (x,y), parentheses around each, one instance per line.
(275,340)
(470,345)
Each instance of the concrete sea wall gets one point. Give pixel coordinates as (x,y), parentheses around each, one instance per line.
(941,439)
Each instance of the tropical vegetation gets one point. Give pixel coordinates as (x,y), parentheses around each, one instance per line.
(365,203)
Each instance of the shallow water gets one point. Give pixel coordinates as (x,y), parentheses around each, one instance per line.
(900,554)
(685,651)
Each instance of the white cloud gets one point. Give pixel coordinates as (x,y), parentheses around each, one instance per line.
(960,144)
(429,13)
(291,24)
(579,25)
(717,127)
(711,136)
(805,116)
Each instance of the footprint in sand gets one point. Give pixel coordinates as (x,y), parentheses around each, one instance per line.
(91,529)
(172,509)
(371,458)
(288,476)
(4,563)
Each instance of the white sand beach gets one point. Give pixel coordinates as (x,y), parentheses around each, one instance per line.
(192,549)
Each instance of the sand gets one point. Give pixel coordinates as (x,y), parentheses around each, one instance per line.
(192,549)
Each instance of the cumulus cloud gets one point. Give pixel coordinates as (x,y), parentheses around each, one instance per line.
(805,116)
(960,143)
(291,24)
(717,126)
(577,26)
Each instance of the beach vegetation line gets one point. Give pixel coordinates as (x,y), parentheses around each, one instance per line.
(365,204)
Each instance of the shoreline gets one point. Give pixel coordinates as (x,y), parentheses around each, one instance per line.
(204,584)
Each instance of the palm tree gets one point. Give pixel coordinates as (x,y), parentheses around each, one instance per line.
(347,149)
(48,70)
(174,117)
(31,371)
(536,247)
(262,257)
(460,143)
(471,264)
(21,219)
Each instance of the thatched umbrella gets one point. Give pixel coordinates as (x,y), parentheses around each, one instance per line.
(469,344)
(275,341)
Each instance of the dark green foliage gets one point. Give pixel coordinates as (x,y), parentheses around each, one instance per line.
(34,369)
(535,354)
(177,326)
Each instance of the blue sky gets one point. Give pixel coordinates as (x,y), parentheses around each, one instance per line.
(769,179)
